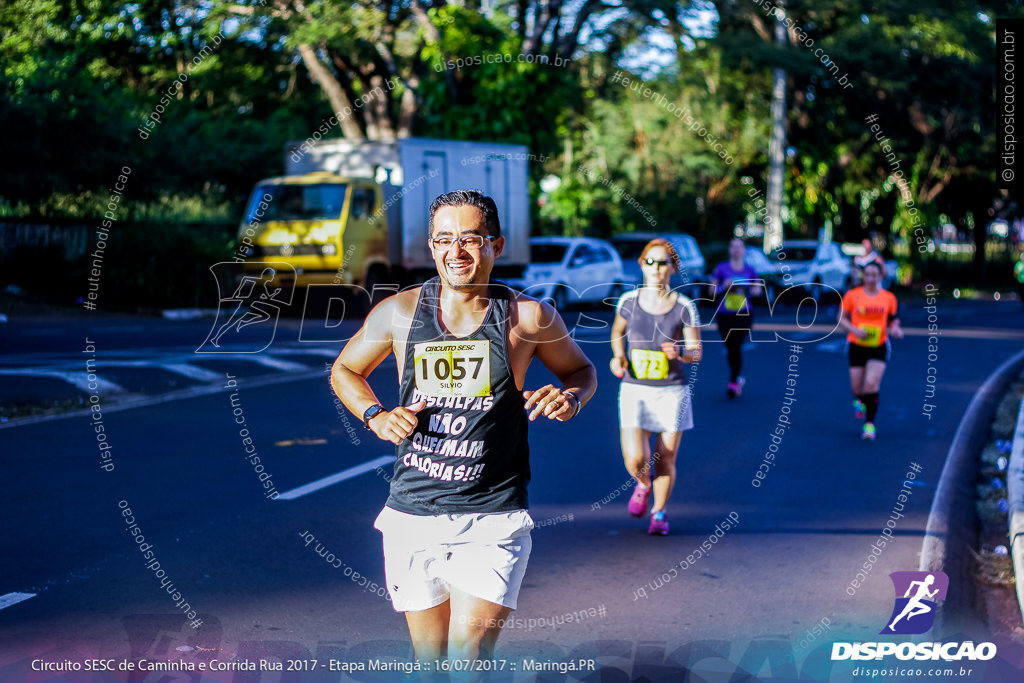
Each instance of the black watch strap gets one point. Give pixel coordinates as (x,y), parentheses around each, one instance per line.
(371,412)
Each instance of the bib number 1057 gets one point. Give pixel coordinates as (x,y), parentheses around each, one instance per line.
(453,368)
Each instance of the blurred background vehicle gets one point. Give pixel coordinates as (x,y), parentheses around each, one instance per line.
(815,266)
(692,273)
(767,270)
(569,270)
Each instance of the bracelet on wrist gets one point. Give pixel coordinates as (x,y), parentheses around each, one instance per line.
(579,403)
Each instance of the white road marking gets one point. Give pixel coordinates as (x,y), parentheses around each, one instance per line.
(276,363)
(79,379)
(122,328)
(835,346)
(335,478)
(14,599)
(318,351)
(201,374)
(134,402)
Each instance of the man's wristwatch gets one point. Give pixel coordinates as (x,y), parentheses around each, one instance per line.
(579,403)
(371,412)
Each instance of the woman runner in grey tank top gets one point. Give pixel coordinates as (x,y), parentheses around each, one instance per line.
(654,337)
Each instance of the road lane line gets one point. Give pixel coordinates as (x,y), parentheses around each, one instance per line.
(80,380)
(276,363)
(14,599)
(335,478)
(834,346)
(43,333)
(183,394)
(318,351)
(193,372)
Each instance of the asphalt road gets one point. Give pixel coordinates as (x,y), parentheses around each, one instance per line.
(597,586)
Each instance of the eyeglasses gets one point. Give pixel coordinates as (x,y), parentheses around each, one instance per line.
(652,262)
(466,241)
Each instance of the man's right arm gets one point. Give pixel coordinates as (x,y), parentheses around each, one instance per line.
(361,356)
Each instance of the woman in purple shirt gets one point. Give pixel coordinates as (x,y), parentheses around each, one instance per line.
(734,282)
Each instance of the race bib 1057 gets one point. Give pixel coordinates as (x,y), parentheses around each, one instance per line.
(456,368)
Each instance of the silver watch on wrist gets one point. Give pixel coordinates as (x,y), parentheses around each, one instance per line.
(579,403)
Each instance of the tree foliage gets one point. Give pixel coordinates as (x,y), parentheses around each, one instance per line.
(78,79)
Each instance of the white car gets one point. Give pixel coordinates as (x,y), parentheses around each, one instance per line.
(814,266)
(567,270)
(766,269)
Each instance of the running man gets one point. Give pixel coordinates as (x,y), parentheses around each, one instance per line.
(869,318)
(654,397)
(455,527)
(737,281)
(915,606)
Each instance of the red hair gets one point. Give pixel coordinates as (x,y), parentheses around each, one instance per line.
(673,257)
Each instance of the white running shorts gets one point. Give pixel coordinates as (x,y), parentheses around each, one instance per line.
(656,409)
(425,556)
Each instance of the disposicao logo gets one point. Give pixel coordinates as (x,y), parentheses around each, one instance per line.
(917,595)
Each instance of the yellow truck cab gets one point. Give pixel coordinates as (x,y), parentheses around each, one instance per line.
(322,224)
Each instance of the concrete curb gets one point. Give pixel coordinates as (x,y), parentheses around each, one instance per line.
(188,313)
(1015,497)
(947,540)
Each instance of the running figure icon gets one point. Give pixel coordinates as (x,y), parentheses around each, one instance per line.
(250,304)
(915,606)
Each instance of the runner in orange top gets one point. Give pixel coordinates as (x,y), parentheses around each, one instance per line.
(869,318)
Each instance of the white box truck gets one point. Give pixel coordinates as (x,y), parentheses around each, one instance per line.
(356,213)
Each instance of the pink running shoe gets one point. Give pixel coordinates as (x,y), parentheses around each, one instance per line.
(638,501)
(735,388)
(659,525)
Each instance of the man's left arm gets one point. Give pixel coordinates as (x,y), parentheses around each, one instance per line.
(565,359)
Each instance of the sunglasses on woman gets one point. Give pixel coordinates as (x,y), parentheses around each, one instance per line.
(652,262)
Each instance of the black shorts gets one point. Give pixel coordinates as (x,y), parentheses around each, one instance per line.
(860,355)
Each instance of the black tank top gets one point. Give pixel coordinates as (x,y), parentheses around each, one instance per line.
(469,452)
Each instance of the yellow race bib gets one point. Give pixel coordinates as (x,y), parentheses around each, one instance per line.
(456,368)
(874,337)
(649,364)
(735,302)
